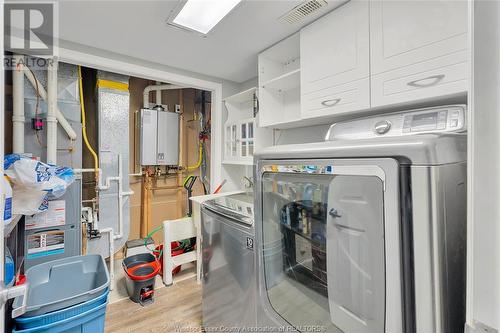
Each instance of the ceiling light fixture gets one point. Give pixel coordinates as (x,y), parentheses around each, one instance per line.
(203,15)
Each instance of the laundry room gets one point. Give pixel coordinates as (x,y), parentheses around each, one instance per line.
(250,166)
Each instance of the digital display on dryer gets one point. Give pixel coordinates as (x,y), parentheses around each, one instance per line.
(425,120)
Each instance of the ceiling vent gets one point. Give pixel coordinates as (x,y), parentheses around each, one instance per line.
(300,12)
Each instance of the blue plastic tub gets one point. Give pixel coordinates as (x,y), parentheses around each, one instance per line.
(63,283)
(91,321)
(23,323)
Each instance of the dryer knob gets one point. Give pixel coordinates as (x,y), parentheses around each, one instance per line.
(382,127)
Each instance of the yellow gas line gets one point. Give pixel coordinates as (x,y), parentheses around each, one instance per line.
(84,127)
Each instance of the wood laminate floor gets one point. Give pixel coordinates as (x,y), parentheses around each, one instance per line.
(176,309)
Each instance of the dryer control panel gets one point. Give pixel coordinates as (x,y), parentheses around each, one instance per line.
(430,120)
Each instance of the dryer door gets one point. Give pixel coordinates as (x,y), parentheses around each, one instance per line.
(355,249)
(325,244)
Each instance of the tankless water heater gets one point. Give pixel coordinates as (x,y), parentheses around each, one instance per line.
(159,138)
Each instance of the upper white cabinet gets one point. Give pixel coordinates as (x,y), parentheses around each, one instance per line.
(279,84)
(418,50)
(335,62)
(363,55)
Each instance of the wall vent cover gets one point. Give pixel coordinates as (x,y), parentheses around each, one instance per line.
(300,12)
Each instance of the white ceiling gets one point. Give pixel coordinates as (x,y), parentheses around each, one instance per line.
(138,29)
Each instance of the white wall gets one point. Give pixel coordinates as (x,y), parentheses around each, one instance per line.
(484,207)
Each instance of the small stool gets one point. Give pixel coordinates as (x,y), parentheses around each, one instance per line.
(177,230)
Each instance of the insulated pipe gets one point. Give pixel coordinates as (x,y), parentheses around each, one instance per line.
(51,112)
(18,106)
(60,118)
(156,87)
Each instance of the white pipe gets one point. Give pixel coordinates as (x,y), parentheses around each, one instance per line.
(110,232)
(158,94)
(51,112)
(18,106)
(107,186)
(43,94)
(154,87)
(90,214)
(139,174)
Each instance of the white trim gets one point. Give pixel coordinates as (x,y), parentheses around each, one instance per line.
(2,134)
(469,305)
(127,68)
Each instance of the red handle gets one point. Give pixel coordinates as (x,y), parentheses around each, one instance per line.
(147,293)
(154,265)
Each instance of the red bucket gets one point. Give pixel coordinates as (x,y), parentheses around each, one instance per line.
(175,251)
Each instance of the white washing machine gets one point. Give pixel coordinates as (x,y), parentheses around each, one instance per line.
(366,231)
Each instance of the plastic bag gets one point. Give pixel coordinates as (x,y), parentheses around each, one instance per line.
(35,183)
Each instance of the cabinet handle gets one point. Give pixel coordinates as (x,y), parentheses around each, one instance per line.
(331,102)
(434,79)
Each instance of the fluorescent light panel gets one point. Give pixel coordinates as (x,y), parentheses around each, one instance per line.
(203,15)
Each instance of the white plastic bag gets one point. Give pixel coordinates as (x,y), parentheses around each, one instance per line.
(35,183)
(28,201)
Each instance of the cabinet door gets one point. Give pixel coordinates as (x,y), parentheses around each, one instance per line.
(246,139)
(335,49)
(404,33)
(418,50)
(231,135)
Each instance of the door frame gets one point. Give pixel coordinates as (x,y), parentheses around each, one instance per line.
(131,69)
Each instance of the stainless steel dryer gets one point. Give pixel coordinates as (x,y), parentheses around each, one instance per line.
(365,232)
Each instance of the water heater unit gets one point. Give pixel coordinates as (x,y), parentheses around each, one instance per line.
(159,137)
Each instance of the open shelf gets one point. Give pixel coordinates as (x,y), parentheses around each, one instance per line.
(285,82)
(242,97)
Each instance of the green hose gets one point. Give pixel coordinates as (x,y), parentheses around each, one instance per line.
(149,236)
(185,243)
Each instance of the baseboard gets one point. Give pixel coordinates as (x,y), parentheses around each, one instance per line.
(478,327)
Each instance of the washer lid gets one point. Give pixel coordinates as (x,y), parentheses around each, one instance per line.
(235,206)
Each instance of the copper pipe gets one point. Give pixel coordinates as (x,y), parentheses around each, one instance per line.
(156,188)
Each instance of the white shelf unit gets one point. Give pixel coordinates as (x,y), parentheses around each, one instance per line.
(241,133)
(279,83)
(285,82)
(239,141)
